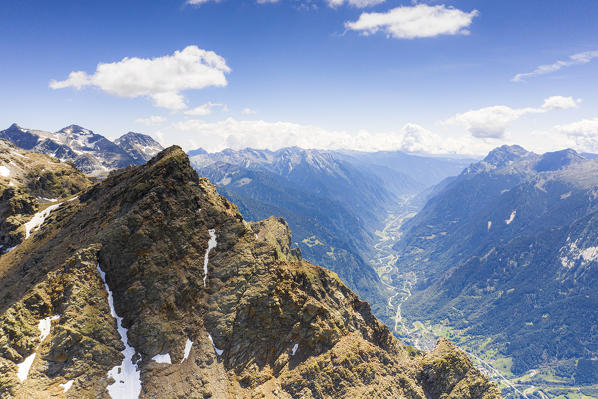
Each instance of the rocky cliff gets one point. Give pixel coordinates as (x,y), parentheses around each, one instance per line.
(150,284)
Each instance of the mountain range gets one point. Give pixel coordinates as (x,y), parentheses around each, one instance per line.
(150,284)
(334,201)
(497,255)
(505,257)
(92,153)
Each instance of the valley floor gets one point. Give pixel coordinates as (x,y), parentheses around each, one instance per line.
(536,384)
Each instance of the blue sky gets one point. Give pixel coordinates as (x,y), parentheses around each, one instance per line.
(307,73)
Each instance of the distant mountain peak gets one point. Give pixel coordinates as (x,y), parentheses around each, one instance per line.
(505,154)
(141,147)
(93,153)
(197,151)
(74,129)
(557,160)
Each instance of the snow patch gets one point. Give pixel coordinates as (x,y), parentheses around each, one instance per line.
(162,358)
(17,154)
(188,346)
(566,195)
(511,218)
(211,244)
(127,377)
(7,250)
(66,386)
(23,367)
(38,219)
(570,254)
(590,254)
(4,171)
(219,352)
(295,347)
(42,199)
(44,327)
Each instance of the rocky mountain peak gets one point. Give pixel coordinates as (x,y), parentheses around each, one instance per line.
(506,154)
(152,281)
(557,160)
(197,151)
(140,147)
(75,130)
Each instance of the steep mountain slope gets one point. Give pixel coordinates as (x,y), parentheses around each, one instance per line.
(94,154)
(140,147)
(30,185)
(151,284)
(506,261)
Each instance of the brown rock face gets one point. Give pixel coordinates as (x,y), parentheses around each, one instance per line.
(238,313)
(276,232)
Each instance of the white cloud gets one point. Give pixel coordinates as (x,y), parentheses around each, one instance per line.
(355,3)
(584,133)
(161,78)
(248,111)
(409,22)
(205,109)
(492,122)
(152,120)
(559,102)
(200,2)
(575,59)
(232,133)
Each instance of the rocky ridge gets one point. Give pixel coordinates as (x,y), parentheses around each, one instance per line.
(209,306)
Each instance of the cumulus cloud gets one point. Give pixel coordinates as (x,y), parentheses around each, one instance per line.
(409,22)
(492,122)
(162,78)
(584,133)
(152,120)
(236,134)
(560,102)
(575,59)
(205,109)
(248,111)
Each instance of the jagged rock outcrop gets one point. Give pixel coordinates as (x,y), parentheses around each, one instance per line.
(276,232)
(152,271)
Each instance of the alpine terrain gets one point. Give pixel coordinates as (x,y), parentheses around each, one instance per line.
(504,260)
(150,284)
(93,153)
